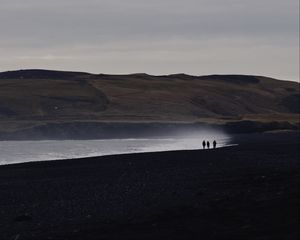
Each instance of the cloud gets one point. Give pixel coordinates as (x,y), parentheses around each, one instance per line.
(73,31)
(48,57)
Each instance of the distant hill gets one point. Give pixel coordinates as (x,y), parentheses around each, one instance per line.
(36,97)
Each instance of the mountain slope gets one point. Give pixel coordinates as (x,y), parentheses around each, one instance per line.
(48,94)
(43,95)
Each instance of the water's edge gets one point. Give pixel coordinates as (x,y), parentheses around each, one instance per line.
(30,151)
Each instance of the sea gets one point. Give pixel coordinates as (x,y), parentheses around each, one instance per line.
(31,151)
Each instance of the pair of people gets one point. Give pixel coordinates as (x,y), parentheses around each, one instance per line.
(207,144)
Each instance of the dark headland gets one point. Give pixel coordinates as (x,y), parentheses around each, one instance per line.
(44,104)
(250,191)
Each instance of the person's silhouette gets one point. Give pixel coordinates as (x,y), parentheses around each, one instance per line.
(215,144)
(207,144)
(203,144)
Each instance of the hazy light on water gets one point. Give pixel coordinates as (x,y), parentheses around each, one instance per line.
(27,151)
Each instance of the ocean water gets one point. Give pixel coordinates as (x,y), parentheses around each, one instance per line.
(28,151)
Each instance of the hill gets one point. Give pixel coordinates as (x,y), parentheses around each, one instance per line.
(35,98)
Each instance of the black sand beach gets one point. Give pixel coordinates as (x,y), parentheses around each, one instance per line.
(242,192)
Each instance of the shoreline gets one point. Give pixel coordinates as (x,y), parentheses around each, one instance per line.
(281,137)
(243,192)
(117,154)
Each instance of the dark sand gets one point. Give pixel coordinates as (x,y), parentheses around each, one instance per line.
(243,192)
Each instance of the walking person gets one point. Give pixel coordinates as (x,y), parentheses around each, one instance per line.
(207,144)
(215,144)
(203,144)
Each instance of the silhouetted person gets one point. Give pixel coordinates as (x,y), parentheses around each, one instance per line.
(207,144)
(203,144)
(215,144)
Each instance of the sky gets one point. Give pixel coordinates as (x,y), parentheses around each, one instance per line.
(198,37)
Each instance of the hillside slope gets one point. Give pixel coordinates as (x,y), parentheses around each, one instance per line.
(42,96)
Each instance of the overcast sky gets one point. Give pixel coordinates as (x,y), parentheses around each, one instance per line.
(197,37)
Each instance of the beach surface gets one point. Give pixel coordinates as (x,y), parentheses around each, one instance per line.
(250,191)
